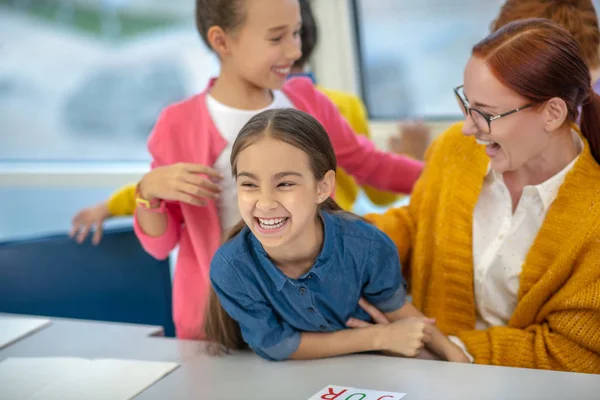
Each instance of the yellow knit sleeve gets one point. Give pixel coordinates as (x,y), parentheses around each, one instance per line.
(122,202)
(568,339)
(400,224)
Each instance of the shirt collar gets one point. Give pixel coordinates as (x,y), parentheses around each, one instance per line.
(547,190)
(321,263)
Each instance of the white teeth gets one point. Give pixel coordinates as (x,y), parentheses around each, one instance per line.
(271,223)
(484,142)
(282,71)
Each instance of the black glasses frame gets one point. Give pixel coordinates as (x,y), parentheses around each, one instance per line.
(467,110)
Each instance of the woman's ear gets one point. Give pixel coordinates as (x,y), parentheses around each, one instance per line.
(326,187)
(218,40)
(555,114)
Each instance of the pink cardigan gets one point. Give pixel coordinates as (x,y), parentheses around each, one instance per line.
(185,132)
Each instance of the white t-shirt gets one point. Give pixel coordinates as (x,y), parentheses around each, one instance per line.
(229,121)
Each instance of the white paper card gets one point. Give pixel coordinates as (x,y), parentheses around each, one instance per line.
(15,328)
(76,378)
(22,377)
(348,393)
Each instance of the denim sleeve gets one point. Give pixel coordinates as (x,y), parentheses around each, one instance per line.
(384,285)
(266,335)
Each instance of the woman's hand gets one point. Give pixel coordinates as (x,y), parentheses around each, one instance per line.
(455,354)
(411,139)
(184,182)
(377,316)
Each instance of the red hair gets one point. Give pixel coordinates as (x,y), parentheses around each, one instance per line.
(540,60)
(576,16)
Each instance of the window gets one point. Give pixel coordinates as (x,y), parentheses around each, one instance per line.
(84,80)
(412,52)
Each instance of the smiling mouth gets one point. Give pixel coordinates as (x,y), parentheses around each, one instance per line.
(271,223)
(283,71)
(490,144)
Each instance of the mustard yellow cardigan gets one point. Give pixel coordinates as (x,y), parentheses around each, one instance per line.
(556,323)
(351,107)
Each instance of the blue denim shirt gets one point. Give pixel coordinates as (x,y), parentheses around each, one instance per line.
(272,309)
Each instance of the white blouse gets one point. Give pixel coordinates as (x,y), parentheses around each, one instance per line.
(502,239)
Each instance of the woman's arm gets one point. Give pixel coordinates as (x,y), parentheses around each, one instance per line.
(359,156)
(567,338)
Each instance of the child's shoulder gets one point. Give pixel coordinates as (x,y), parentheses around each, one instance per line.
(185,132)
(184,109)
(235,248)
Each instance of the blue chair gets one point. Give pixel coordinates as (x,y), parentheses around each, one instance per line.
(114,281)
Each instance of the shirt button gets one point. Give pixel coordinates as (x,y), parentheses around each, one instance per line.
(309,277)
(311,310)
(302,290)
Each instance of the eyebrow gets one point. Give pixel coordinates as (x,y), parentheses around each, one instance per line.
(283,27)
(482,105)
(478,104)
(277,176)
(277,28)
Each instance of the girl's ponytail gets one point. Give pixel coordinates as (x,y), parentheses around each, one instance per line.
(219,327)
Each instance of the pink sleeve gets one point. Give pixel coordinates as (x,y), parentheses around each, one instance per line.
(360,158)
(159,146)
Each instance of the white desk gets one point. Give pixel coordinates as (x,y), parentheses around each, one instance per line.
(246,376)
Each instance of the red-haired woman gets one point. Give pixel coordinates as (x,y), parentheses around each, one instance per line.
(501,240)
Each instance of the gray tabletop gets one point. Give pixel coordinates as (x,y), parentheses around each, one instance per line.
(246,376)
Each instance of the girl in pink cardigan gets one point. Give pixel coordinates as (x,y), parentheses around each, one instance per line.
(189,196)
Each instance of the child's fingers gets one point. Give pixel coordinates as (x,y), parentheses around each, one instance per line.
(97,235)
(373,312)
(356,323)
(83,232)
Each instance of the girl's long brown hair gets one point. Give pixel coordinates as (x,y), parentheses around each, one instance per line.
(540,60)
(307,134)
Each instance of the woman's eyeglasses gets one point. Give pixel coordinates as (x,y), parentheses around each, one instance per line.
(482,120)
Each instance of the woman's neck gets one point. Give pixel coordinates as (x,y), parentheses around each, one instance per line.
(560,153)
(234,91)
(297,257)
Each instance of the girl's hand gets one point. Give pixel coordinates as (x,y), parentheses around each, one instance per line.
(182,182)
(405,337)
(88,219)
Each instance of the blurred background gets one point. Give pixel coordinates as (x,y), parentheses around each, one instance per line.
(82,83)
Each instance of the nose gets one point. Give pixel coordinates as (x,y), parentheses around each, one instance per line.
(266,201)
(469,128)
